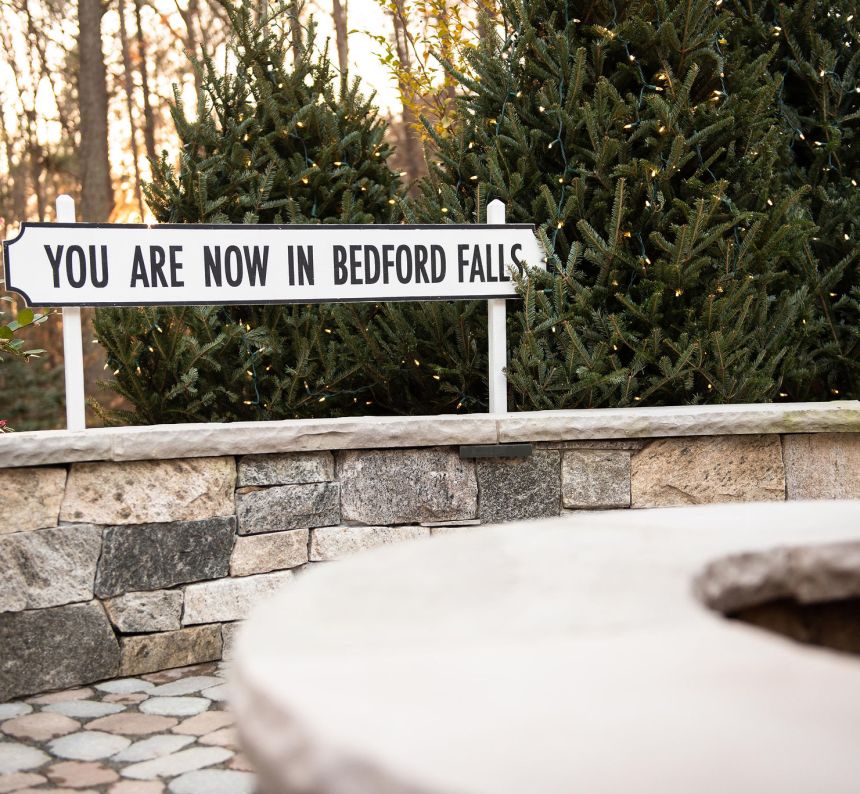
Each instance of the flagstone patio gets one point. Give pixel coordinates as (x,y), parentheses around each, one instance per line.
(162,732)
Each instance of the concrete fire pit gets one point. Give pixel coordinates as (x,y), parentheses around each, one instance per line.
(587,653)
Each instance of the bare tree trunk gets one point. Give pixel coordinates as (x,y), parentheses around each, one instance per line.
(34,159)
(148,117)
(18,189)
(190,17)
(296,34)
(96,189)
(339,12)
(129,103)
(411,144)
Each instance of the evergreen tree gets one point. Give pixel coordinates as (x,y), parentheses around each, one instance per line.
(653,165)
(280,140)
(817,60)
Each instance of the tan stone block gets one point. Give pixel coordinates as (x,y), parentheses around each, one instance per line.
(146,653)
(272,551)
(229,599)
(31,498)
(822,465)
(705,469)
(147,491)
(332,543)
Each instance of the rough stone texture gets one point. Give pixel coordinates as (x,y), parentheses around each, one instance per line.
(147,653)
(269,552)
(54,648)
(158,610)
(150,491)
(679,420)
(48,567)
(629,444)
(153,556)
(31,498)
(332,543)
(406,486)
(285,469)
(512,488)
(288,507)
(681,471)
(229,599)
(829,572)
(377,432)
(806,574)
(738,581)
(822,466)
(592,478)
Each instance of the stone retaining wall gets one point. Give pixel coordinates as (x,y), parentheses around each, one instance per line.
(126,567)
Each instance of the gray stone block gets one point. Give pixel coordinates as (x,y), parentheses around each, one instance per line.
(157,610)
(31,498)
(271,551)
(592,478)
(48,567)
(822,465)
(406,486)
(516,488)
(288,507)
(55,648)
(290,468)
(146,653)
(155,556)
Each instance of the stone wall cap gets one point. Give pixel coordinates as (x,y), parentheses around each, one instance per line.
(38,448)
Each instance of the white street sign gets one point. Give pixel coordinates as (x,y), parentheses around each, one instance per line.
(63,264)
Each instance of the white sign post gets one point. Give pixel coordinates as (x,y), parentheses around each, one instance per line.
(497,332)
(73,349)
(78,264)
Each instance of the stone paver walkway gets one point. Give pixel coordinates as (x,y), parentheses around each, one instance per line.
(161,732)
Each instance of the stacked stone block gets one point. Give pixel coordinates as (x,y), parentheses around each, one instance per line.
(126,568)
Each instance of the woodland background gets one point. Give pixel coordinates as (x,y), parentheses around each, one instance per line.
(85,92)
